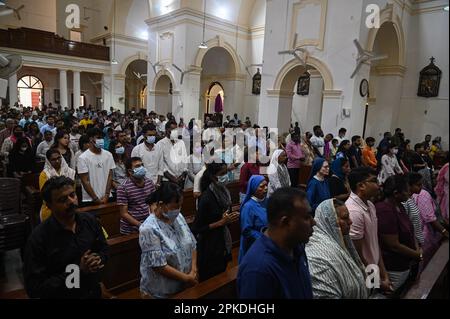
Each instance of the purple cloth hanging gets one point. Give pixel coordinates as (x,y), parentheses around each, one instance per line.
(218,105)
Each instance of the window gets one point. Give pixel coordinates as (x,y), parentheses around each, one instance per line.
(31,91)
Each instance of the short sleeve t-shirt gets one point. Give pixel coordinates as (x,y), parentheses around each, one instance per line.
(134,197)
(98,167)
(393,220)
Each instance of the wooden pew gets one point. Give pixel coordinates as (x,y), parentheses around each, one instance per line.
(108,215)
(122,271)
(222,286)
(433,282)
(303,176)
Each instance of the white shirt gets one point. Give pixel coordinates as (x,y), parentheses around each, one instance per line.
(173,158)
(212,133)
(74,139)
(150,159)
(198,179)
(42,149)
(318,142)
(98,166)
(339,139)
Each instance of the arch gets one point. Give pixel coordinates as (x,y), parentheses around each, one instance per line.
(161,73)
(131,59)
(312,62)
(218,42)
(213,84)
(387,15)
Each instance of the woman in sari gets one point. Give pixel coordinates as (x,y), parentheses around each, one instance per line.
(336,269)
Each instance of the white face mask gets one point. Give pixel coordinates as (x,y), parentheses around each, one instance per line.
(174,135)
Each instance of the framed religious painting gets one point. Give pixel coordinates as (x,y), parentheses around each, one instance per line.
(303,84)
(256,87)
(430,80)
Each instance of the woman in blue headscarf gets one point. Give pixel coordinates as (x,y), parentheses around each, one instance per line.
(318,189)
(253,213)
(339,187)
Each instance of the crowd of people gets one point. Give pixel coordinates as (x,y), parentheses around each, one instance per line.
(364,207)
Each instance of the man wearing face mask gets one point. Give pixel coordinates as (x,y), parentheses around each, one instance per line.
(150,155)
(131,196)
(65,238)
(95,167)
(173,156)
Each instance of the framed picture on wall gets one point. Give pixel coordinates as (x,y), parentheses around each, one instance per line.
(303,84)
(56,98)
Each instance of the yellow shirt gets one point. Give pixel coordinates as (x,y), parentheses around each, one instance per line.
(45,211)
(85,123)
(433,150)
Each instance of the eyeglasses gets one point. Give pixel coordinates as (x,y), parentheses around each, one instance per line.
(372,180)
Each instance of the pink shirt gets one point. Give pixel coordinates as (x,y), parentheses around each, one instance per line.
(365,227)
(294,153)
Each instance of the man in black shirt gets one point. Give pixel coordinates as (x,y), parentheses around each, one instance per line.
(355,152)
(65,253)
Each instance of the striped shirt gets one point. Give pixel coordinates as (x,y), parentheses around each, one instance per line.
(128,193)
(414,215)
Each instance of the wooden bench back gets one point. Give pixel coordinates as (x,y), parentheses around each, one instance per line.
(122,271)
(222,286)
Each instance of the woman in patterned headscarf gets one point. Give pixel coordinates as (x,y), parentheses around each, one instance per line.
(336,269)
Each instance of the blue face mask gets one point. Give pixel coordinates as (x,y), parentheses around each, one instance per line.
(120,150)
(151,139)
(139,172)
(172,215)
(100,143)
(223,179)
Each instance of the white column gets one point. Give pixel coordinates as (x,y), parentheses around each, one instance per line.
(76,90)
(314,110)
(332,111)
(190,97)
(63,88)
(107,91)
(13,89)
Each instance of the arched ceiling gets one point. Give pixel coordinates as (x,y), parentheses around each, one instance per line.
(243,12)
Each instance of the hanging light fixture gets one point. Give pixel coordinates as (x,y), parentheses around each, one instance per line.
(203,45)
(114,61)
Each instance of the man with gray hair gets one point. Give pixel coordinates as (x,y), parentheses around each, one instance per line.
(5,133)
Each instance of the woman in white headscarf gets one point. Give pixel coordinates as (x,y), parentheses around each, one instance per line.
(55,165)
(336,269)
(278,172)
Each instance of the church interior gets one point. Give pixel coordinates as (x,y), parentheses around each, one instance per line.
(138,66)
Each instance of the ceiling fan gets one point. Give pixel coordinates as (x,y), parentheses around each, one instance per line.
(365,56)
(248,67)
(96,83)
(155,65)
(7,10)
(295,52)
(183,73)
(8,66)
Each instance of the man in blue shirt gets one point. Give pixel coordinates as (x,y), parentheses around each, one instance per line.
(26,118)
(50,126)
(276,266)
